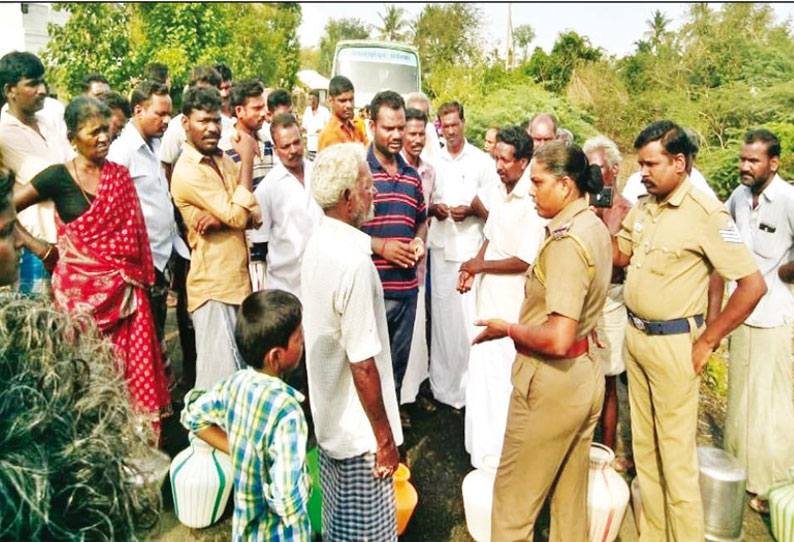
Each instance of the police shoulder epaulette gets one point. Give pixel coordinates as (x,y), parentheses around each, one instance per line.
(561,232)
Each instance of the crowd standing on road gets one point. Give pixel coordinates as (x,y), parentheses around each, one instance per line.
(517,280)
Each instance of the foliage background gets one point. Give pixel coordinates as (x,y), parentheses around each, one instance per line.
(725,70)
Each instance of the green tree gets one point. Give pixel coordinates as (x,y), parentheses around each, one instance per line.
(657,33)
(554,70)
(337,30)
(393,24)
(94,39)
(522,37)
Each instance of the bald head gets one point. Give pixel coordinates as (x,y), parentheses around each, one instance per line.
(542,129)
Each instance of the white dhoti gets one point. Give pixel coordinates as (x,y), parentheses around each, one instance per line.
(416,372)
(611,331)
(488,385)
(759,422)
(452,321)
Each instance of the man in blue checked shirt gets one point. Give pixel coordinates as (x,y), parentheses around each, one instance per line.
(257,419)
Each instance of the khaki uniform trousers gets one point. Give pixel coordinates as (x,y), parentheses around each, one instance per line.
(663,396)
(554,408)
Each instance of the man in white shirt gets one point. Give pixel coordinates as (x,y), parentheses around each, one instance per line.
(351,387)
(759,424)
(290,215)
(513,233)
(137,149)
(462,171)
(314,119)
(28,145)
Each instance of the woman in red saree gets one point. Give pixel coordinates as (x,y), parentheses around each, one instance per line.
(104,266)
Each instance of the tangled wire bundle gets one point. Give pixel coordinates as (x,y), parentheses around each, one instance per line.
(67,432)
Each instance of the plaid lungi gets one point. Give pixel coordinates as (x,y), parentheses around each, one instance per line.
(356,506)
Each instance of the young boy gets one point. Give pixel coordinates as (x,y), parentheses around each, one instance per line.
(257,419)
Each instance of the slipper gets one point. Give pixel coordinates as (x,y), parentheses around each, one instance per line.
(759,505)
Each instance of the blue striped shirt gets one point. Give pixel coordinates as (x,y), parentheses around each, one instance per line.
(399,210)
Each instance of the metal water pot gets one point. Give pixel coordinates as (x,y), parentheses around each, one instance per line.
(722,485)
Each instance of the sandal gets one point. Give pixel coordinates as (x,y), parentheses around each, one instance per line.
(759,505)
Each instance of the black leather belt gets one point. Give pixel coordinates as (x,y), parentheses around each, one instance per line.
(663,327)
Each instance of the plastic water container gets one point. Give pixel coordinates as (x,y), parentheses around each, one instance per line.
(477,491)
(607,496)
(781,510)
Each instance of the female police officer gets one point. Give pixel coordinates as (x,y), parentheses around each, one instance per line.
(558,389)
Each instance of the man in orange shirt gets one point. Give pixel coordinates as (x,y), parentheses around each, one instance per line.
(341,128)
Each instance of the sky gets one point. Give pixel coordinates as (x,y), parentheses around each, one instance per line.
(613,26)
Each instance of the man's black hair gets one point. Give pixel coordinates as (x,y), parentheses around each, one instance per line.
(415,114)
(282,120)
(767,137)
(387,98)
(673,138)
(93,77)
(519,139)
(205,74)
(144,90)
(224,70)
(451,107)
(278,97)
(242,90)
(115,100)
(339,84)
(16,65)
(202,98)
(156,71)
(266,320)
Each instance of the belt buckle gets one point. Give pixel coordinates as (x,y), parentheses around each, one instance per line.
(639,324)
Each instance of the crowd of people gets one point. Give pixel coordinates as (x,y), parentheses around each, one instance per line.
(517,280)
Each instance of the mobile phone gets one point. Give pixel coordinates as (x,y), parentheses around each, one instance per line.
(603,199)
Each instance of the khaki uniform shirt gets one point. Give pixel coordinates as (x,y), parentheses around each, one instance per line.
(674,247)
(219,259)
(570,276)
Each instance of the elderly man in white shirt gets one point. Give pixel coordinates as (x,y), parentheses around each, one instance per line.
(314,119)
(513,233)
(29,143)
(351,388)
(137,149)
(759,424)
(290,215)
(462,172)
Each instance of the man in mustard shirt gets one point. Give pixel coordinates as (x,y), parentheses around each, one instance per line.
(670,243)
(217,205)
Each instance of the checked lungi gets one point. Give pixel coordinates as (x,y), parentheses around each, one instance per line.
(356,506)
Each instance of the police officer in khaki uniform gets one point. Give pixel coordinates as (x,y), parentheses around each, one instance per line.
(558,388)
(671,241)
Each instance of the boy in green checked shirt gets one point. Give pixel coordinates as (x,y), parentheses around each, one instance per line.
(257,419)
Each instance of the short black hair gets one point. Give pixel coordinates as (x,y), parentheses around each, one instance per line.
(315,93)
(205,74)
(224,70)
(16,65)
(144,90)
(673,138)
(278,97)
(451,107)
(156,71)
(415,114)
(6,188)
(282,120)
(518,138)
(83,108)
(202,98)
(115,100)
(266,320)
(389,98)
(93,77)
(340,84)
(242,90)
(767,137)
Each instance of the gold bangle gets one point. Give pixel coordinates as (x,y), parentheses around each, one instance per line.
(48,252)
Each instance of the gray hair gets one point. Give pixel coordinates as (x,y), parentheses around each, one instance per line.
(603,143)
(336,170)
(565,136)
(414,97)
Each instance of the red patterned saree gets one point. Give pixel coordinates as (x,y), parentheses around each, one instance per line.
(105,269)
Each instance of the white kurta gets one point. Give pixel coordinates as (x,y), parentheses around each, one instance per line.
(513,229)
(458,180)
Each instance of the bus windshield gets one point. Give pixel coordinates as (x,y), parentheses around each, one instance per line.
(373,69)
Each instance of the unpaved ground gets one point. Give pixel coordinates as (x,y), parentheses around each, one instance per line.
(435,454)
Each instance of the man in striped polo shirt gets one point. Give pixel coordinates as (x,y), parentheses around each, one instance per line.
(399,228)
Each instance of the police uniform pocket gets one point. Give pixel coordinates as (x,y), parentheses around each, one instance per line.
(521,376)
(662,260)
